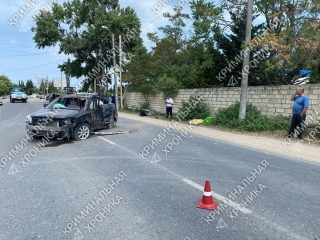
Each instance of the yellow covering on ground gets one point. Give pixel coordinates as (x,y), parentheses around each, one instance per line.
(196,121)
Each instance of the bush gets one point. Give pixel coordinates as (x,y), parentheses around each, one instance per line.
(143,105)
(168,85)
(198,110)
(125,107)
(253,121)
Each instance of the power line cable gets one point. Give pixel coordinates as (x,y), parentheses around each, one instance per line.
(40,74)
(34,67)
(23,55)
(55,51)
(17,46)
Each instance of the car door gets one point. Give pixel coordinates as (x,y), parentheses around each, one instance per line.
(96,113)
(91,107)
(99,115)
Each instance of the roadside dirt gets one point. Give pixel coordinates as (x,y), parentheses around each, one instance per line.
(275,144)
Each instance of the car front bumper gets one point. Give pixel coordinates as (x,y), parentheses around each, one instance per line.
(50,132)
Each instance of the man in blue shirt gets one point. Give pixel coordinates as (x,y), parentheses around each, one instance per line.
(299,109)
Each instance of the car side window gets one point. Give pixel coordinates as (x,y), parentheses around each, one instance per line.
(82,103)
(92,104)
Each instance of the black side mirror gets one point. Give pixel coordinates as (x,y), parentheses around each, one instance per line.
(45,105)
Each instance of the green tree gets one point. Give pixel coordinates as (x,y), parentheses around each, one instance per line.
(231,43)
(176,63)
(206,60)
(76,27)
(294,33)
(168,85)
(140,73)
(175,30)
(21,84)
(30,88)
(52,88)
(5,85)
(30,91)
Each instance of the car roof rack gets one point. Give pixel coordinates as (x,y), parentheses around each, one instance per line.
(86,93)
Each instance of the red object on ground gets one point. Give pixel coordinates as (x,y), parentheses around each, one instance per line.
(207,201)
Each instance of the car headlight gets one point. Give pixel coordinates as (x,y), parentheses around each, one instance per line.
(24,95)
(13,95)
(29,119)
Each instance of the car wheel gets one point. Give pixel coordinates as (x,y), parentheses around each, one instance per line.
(110,125)
(115,119)
(81,132)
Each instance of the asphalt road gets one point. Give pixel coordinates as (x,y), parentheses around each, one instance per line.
(56,194)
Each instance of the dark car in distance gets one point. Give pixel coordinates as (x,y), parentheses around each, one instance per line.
(72,116)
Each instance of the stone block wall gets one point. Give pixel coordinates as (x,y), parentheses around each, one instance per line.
(270,100)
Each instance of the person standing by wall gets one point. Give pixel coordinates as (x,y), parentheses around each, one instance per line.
(299,109)
(169,103)
(113,99)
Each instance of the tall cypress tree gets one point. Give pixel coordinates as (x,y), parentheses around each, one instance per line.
(230,43)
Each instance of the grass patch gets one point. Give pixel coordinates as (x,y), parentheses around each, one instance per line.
(253,122)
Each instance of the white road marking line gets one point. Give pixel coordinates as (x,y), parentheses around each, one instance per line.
(107,140)
(216,195)
(195,185)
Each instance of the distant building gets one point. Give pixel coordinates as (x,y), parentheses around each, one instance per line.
(57,82)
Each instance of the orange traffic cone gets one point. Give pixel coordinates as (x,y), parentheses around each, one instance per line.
(207,201)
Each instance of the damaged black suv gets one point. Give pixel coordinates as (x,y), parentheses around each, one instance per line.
(72,116)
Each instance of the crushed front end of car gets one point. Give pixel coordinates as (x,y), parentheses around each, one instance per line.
(50,127)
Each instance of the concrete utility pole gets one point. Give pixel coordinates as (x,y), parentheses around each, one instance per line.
(114,73)
(120,72)
(245,66)
(61,80)
(47,85)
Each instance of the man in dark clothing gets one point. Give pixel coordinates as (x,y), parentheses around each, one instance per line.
(113,100)
(299,109)
(52,97)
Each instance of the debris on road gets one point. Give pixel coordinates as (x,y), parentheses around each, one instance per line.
(116,132)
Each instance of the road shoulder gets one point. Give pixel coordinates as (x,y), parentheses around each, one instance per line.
(294,149)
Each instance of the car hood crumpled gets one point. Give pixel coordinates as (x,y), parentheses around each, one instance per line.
(61,113)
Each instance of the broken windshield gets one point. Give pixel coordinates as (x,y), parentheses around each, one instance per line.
(67,103)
